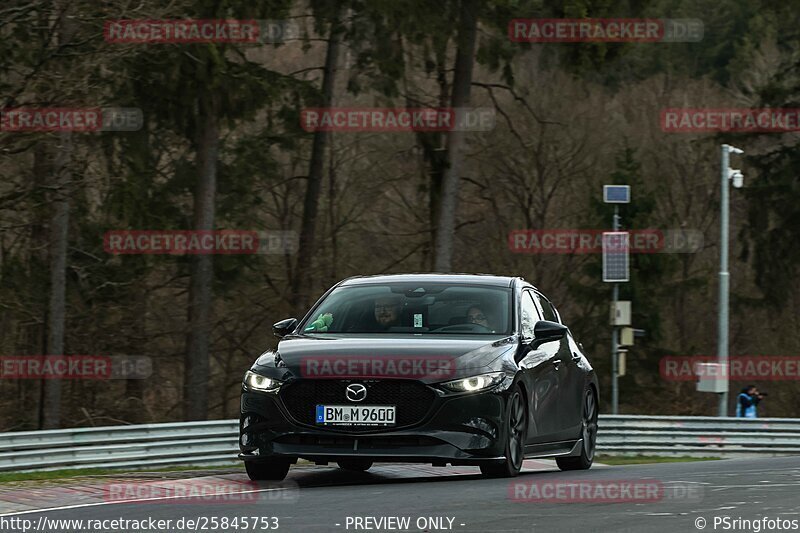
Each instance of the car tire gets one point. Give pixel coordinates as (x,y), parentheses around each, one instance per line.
(588,436)
(516,429)
(267,469)
(355,464)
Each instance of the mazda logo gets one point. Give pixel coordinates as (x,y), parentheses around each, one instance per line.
(356,392)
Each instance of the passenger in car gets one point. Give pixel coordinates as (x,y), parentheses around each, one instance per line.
(387,311)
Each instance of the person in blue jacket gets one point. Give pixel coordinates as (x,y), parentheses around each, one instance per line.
(747,402)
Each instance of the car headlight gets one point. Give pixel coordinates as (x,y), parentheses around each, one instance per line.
(474,383)
(258,382)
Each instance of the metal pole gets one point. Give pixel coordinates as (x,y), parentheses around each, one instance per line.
(724,277)
(614,335)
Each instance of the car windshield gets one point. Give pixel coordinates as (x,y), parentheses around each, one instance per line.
(434,308)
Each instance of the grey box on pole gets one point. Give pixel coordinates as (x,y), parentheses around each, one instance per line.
(626,336)
(621,313)
(711,377)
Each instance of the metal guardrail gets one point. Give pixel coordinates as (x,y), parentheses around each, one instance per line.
(140,446)
(216,442)
(697,436)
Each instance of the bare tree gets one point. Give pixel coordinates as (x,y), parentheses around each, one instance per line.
(202,270)
(462,82)
(308,231)
(59,225)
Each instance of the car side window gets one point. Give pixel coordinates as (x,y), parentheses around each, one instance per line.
(548,310)
(528,315)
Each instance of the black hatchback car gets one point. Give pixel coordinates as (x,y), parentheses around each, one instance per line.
(434,368)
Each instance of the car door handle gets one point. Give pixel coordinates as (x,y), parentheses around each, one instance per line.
(556,362)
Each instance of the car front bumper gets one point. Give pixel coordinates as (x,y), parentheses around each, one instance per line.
(458,429)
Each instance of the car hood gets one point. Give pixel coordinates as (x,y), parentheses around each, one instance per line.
(425,358)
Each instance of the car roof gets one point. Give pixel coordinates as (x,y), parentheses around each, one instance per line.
(467,279)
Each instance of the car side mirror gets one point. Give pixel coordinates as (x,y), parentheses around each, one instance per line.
(284,327)
(546,331)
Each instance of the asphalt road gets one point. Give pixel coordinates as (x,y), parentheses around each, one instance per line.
(636,498)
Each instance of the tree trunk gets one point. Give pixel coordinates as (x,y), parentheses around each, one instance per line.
(40,254)
(462,80)
(303,268)
(436,158)
(135,411)
(59,224)
(196,368)
(332,214)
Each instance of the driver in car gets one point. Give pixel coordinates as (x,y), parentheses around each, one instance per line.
(475,315)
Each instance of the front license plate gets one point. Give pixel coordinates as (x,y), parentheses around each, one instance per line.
(356,415)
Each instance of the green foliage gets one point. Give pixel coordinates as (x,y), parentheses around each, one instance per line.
(734,30)
(773,189)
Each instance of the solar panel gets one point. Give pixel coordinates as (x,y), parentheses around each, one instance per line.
(617,194)
(616,256)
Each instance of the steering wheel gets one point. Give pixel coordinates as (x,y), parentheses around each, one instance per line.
(465,327)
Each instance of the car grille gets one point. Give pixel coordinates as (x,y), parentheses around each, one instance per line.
(413,400)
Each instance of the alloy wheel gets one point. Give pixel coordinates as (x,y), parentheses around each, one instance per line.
(589,424)
(516,430)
